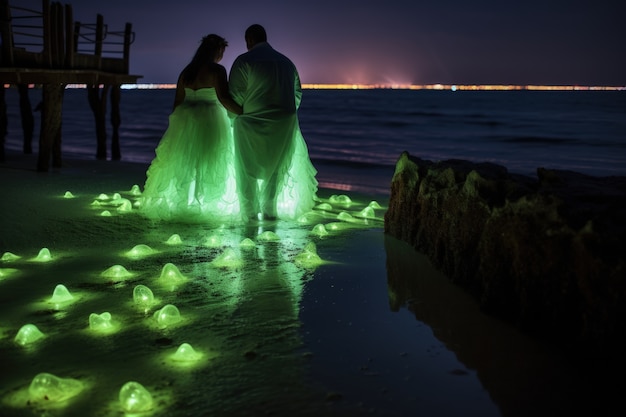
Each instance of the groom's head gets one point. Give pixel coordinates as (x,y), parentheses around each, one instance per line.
(255,34)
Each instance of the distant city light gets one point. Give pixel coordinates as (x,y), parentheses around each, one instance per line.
(451,87)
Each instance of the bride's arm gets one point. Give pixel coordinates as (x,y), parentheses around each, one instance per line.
(223,95)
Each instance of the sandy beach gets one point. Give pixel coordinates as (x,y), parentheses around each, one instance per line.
(299,322)
(239,305)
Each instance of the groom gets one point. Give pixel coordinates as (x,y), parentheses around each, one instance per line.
(267,85)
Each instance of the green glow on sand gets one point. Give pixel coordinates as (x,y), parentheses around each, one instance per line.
(268,236)
(174,240)
(308,258)
(167,316)
(68,194)
(171,274)
(7,272)
(134,398)
(125,206)
(48,387)
(140,251)
(116,271)
(324,206)
(61,295)
(28,333)
(143,296)
(186,353)
(135,190)
(228,259)
(9,257)
(374,205)
(319,230)
(106,213)
(247,243)
(43,256)
(102,323)
(367,213)
(213,241)
(103,197)
(341,199)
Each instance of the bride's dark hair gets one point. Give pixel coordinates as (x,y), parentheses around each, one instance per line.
(207,51)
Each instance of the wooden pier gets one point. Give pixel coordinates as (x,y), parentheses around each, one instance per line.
(46,48)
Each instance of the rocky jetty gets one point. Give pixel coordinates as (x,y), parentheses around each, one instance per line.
(545,253)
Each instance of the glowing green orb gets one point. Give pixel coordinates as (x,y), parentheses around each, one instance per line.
(213,241)
(61,295)
(367,213)
(324,206)
(268,236)
(43,256)
(143,296)
(247,243)
(345,216)
(341,199)
(116,271)
(106,213)
(374,205)
(319,230)
(9,257)
(103,197)
(68,194)
(101,322)
(28,333)
(174,240)
(125,206)
(140,251)
(186,353)
(167,316)
(228,259)
(48,387)
(308,258)
(134,398)
(135,190)
(171,273)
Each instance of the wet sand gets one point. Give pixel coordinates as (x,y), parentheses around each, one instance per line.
(370,329)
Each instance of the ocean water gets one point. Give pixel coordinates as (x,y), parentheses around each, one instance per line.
(356,136)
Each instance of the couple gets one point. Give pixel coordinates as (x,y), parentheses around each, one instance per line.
(233,150)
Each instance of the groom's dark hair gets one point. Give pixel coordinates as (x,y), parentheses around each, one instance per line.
(255,34)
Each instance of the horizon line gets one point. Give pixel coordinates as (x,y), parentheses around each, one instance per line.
(357,86)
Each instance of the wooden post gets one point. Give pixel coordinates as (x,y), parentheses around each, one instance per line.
(70,46)
(3,121)
(28,120)
(6,34)
(98,104)
(128,39)
(115,122)
(50,136)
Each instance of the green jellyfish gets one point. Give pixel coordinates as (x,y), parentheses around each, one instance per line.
(28,333)
(143,296)
(186,353)
(134,398)
(61,295)
(167,316)
(49,387)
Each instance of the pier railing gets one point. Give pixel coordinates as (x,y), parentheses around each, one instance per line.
(48,48)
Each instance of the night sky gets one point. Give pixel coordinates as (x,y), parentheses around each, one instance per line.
(542,42)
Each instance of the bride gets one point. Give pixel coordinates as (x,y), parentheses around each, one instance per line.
(192,177)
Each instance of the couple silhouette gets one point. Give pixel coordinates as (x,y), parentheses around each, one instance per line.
(233,150)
